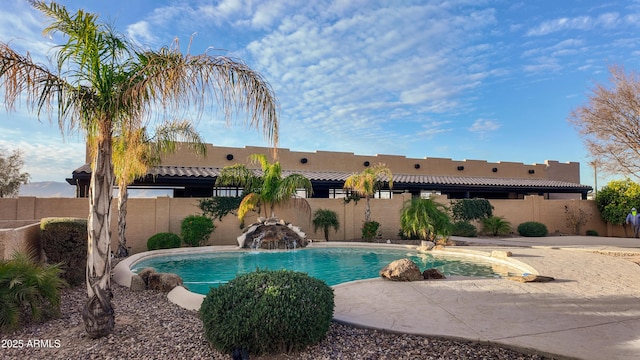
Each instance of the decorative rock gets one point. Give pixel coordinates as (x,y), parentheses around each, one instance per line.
(438,247)
(401,270)
(163,281)
(426,246)
(432,274)
(137,283)
(144,274)
(530,278)
(501,254)
(272,233)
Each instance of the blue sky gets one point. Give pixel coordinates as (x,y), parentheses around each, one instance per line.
(459,79)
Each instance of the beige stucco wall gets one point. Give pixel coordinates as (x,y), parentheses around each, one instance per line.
(350,162)
(21,239)
(150,216)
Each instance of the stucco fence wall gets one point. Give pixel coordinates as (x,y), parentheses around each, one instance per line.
(150,216)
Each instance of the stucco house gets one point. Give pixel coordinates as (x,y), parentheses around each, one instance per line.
(185,174)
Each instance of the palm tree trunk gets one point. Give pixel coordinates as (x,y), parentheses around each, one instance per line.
(98,315)
(367,211)
(123,196)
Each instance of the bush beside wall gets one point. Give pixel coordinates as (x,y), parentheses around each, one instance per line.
(64,240)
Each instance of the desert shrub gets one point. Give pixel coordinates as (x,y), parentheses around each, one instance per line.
(471,209)
(532,229)
(268,312)
(196,229)
(464,228)
(64,240)
(27,285)
(592,233)
(496,225)
(370,230)
(163,240)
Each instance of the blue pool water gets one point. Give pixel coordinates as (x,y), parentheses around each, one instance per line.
(332,265)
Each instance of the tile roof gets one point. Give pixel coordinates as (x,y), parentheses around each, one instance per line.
(330,176)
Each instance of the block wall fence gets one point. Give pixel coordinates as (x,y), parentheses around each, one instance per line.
(148,216)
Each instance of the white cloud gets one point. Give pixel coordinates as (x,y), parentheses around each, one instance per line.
(141,33)
(484,126)
(583,23)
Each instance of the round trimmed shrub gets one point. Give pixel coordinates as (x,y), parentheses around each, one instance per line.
(163,240)
(196,229)
(592,233)
(464,228)
(268,312)
(532,229)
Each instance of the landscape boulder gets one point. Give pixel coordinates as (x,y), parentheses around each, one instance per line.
(530,278)
(501,254)
(432,274)
(163,281)
(144,274)
(137,284)
(402,270)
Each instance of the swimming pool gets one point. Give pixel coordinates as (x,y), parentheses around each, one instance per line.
(332,265)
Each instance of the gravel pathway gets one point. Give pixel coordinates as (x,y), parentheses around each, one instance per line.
(148,326)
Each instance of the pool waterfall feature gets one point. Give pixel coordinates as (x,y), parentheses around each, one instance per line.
(272,233)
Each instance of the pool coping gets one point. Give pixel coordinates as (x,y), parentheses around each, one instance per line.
(192,301)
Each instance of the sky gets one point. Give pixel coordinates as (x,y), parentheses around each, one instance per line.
(457,79)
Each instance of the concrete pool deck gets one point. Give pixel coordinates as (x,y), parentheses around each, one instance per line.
(590,311)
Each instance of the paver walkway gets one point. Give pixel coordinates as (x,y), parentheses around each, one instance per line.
(591,310)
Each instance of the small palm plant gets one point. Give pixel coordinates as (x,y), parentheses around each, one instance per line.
(425,219)
(325,219)
(269,189)
(496,225)
(25,284)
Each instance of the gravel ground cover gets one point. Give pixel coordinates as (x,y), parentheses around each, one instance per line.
(148,326)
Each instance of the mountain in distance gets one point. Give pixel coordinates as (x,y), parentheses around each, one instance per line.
(47,189)
(53,189)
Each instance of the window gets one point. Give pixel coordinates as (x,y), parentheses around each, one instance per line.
(337,193)
(383,194)
(301,193)
(426,194)
(227,191)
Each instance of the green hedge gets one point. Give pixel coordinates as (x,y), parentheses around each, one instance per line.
(196,229)
(532,229)
(163,240)
(268,312)
(64,240)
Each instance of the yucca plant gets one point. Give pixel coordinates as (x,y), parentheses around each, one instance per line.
(496,225)
(25,284)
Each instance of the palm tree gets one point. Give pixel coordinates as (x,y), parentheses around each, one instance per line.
(269,189)
(101,82)
(325,219)
(367,183)
(425,219)
(134,152)
(496,225)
